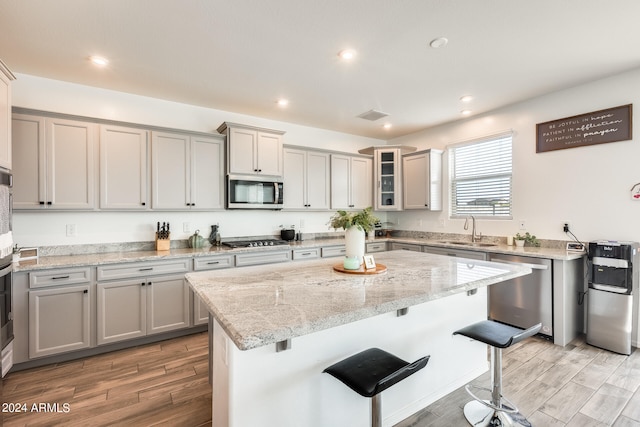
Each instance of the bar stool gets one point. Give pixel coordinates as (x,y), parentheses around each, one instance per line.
(372,371)
(494,412)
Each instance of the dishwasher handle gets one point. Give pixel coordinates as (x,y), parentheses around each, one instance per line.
(524,264)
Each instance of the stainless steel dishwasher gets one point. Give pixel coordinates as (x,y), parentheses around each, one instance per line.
(526,300)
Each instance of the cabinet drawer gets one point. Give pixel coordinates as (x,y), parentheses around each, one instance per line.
(306,253)
(456,252)
(332,251)
(212,262)
(262,258)
(41,279)
(406,247)
(143,269)
(376,247)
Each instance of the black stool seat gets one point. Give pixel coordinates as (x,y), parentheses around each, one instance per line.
(497,334)
(374,370)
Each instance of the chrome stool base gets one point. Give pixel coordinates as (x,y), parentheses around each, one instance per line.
(480,415)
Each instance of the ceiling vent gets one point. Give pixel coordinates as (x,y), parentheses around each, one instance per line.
(373,115)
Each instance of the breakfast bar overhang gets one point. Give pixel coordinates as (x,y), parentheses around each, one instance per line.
(275,328)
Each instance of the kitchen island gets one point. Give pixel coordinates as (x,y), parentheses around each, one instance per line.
(275,328)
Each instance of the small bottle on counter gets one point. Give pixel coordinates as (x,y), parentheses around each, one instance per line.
(218,238)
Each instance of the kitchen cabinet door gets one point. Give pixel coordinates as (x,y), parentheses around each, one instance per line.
(388,193)
(29,163)
(59,320)
(361,182)
(253,150)
(306,180)
(422,180)
(124,160)
(170,169)
(54,163)
(5,116)
(167,304)
(318,182)
(121,310)
(187,172)
(269,154)
(206,173)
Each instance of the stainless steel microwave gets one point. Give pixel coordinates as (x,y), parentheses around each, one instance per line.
(254,192)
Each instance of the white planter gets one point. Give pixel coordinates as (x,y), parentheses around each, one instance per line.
(354,239)
(519,243)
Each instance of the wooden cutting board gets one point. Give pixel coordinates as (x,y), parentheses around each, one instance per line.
(380,268)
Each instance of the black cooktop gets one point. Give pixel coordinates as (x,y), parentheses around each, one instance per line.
(262,243)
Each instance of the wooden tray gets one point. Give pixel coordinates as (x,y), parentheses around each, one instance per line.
(380,268)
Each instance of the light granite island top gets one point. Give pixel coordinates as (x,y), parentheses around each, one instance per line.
(261,305)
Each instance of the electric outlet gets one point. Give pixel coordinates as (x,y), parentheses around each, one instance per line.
(565,228)
(522,225)
(72,230)
(186,227)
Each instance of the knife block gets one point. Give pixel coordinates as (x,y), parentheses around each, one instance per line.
(163,244)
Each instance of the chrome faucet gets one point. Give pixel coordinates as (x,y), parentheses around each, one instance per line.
(474,238)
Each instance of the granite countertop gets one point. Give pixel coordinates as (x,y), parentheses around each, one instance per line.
(261,305)
(102,258)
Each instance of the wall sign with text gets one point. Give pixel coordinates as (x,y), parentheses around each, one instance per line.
(598,127)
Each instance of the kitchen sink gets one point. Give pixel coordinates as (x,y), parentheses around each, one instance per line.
(476,244)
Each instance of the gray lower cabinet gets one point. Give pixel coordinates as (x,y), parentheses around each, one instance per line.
(376,247)
(216,262)
(310,253)
(262,257)
(405,247)
(462,253)
(333,251)
(137,307)
(59,320)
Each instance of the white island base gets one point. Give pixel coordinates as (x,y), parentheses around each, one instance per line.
(262,387)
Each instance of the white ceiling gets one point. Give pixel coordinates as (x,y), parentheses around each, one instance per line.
(243,55)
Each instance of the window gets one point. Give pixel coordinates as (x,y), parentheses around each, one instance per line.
(481,177)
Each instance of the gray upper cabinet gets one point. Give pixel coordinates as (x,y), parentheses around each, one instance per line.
(422,180)
(351,182)
(124,168)
(53,163)
(5,116)
(187,172)
(306,179)
(253,151)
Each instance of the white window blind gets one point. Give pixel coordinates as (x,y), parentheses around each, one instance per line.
(481,177)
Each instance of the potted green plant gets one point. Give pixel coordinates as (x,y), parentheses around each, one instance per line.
(526,239)
(355,224)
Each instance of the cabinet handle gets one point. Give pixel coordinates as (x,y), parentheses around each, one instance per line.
(149,283)
(41,202)
(255,170)
(59,277)
(144,204)
(85,291)
(259,170)
(213,262)
(145,269)
(142,284)
(49,203)
(305,253)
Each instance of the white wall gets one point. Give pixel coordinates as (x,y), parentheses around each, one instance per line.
(49,228)
(589,187)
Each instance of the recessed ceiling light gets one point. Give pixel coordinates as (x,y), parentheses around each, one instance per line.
(439,42)
(99,60)
(466,98)
(387,125)
(465,112)
(347,54)
(282,102)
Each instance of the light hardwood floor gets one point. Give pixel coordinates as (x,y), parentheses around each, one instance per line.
(166,384)
(573,386)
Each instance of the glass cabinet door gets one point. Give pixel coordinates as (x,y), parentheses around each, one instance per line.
(388,195)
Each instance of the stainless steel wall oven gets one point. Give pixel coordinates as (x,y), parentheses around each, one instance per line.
(6,272)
